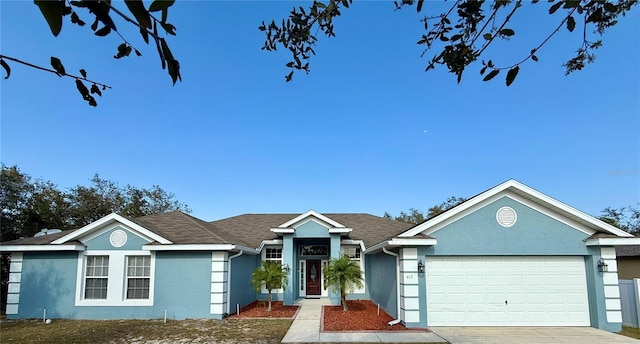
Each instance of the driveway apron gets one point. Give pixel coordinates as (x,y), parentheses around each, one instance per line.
(530,335)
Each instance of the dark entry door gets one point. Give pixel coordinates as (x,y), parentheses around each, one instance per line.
(313,277)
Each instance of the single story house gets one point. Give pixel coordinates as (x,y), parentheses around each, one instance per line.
(510,256)
(628,258)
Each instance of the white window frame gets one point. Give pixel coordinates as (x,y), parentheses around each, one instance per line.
(263,255)
(134,276)
(346,250)
(93,276)
(117,279)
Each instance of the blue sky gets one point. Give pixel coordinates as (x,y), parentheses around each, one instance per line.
(366,131)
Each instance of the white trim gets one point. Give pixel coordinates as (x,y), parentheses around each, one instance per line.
(612,241)
(302,275)
(402,242)
(117,279)
(32,248)
(113,217)
(341,230)
(313,213)
(283,230)
(269,242)
(200,247)
(547,202)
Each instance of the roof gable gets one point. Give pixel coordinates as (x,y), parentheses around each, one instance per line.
(527,196)
(107,221)
(310,215)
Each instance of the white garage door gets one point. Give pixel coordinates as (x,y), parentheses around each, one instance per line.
(506,291)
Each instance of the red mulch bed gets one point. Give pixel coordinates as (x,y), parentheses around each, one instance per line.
(362,316)
(258,309)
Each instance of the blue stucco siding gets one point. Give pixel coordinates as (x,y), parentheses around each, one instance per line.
(241,291)
(48,281)
(102,241)
(183,284)
(381,277)
(311,229)
(534,233)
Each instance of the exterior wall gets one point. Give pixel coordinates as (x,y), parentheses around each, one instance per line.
(240,272)
(628,268)
(381,276)
(48,280)
(102,241)
(534,233)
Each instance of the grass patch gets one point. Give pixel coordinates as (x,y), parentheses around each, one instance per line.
(630,332)
(145,331)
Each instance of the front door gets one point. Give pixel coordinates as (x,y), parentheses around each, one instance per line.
(314,286)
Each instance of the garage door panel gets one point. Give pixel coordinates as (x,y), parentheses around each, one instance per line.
(540,291)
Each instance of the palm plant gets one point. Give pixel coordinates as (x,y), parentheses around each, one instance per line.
(271,275)
(343,274)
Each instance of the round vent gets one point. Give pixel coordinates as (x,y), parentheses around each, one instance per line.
(506,216)
(118,238)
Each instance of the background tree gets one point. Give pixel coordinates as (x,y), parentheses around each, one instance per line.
(625,218)
(270,275)
(343,274)
(416,216)
(29,205)
(461,35)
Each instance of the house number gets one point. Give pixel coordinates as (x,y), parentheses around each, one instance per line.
(411,278)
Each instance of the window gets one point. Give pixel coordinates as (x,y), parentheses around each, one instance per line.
(138,277)
(115,278)
(96,277)
(355,254)
(352,252)
(273,253)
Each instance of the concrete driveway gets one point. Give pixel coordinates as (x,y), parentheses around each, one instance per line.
(529,335)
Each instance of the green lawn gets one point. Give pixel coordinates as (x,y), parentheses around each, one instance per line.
(630,332)
(141,331)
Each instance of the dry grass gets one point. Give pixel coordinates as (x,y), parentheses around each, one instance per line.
(630,332)
(228,331)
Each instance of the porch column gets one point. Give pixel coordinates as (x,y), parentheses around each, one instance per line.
(334,295)
(288,254)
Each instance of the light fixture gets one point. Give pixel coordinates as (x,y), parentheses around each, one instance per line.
(420,266)
(602,266)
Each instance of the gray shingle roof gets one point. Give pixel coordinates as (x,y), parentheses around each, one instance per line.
(628,251)
(253,228)
(247,230)
(181,228)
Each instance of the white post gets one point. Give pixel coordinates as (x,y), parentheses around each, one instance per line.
(378,309)
(636,289)
(165,315)
(237,309)
(44,315)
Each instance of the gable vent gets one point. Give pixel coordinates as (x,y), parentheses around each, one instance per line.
(118,238)
(506,216)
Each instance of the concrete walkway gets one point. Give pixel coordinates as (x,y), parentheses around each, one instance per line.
(306,329)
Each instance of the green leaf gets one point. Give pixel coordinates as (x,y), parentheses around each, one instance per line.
(101,11)
(571,24)
(491,75)
(52,12)
(57,65)
(507,32)
(555,7)
(136,7)
(76,20)
(83,73)
(6,68)
(609,7)
(534,57)
(173,66)
(85,93)
(487,36)
(95,89)
(419,6)
(169,28)
(511,75)
(159,5)
(103,32)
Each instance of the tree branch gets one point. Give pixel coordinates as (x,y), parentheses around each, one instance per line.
(53,71)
